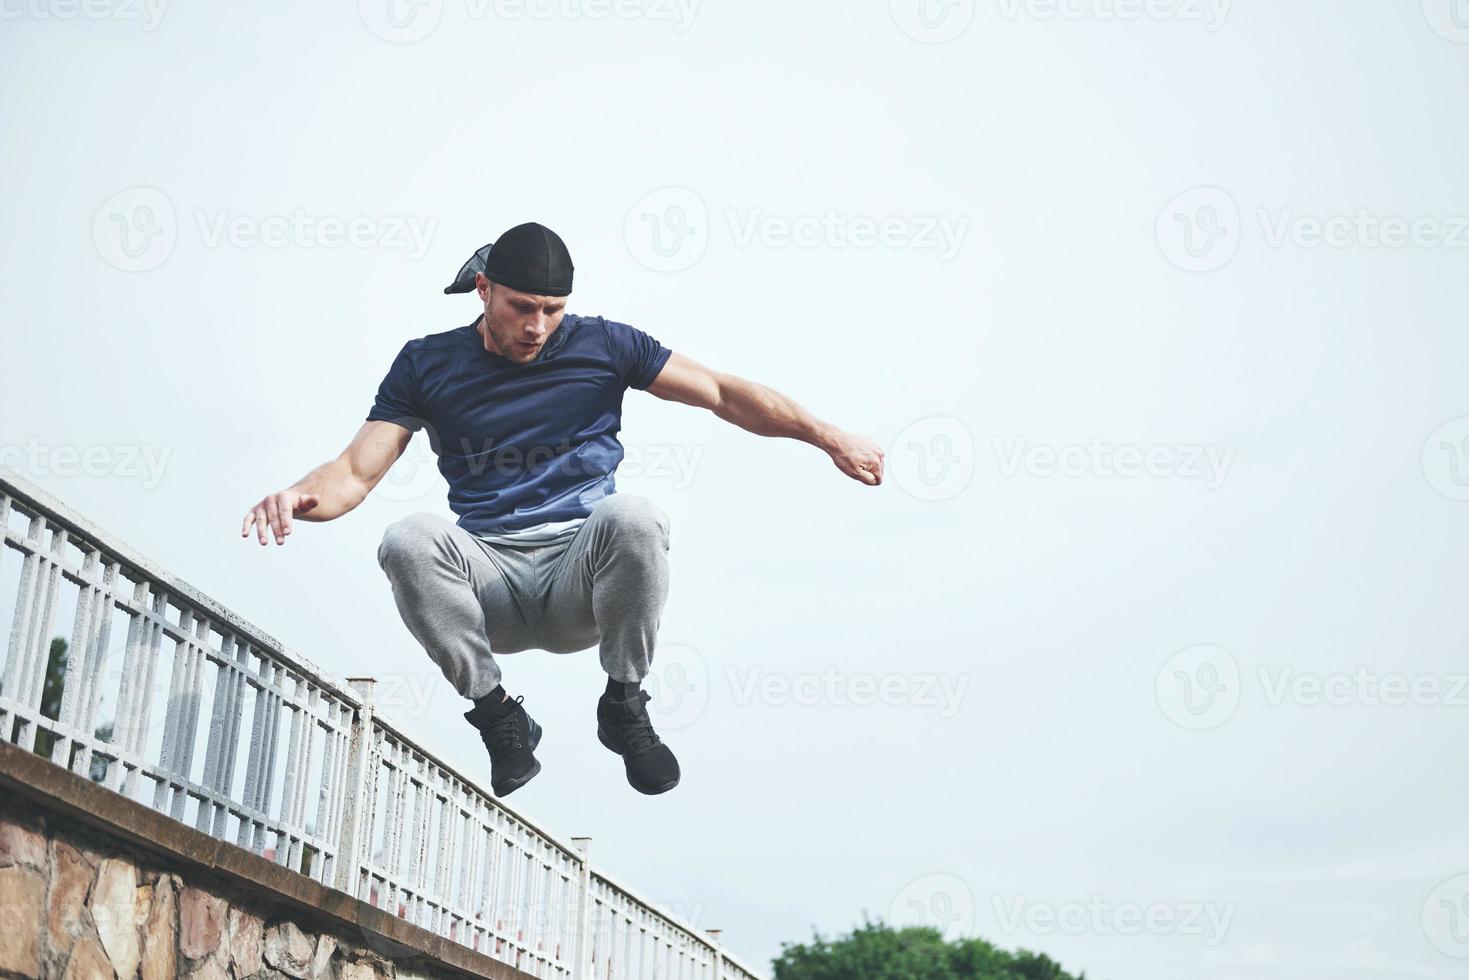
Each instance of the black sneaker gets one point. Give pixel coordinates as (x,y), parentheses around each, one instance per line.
(624,727)
(511,736)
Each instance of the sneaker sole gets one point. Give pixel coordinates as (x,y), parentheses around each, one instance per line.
(602,737)
(511,785)
(505,789)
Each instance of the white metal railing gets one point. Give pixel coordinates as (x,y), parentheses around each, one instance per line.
(122,672)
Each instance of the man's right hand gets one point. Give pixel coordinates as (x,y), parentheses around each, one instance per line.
(340,484)
(275,513)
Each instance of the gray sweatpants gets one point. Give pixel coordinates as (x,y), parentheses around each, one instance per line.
(465,599)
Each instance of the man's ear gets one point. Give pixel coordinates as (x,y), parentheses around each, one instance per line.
(483,286)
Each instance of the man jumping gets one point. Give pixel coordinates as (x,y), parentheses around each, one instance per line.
(522,408)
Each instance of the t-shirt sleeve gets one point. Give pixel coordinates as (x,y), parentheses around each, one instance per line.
(639,358)
(397,396)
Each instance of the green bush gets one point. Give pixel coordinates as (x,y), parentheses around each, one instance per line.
(875,951)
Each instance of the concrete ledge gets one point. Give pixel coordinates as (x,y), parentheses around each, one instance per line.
(28,779)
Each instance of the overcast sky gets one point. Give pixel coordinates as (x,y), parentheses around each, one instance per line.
(1149,654)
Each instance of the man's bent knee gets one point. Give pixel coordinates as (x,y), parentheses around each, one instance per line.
(408,536)
(634,516)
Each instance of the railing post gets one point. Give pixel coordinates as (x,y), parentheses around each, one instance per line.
(716,937)
(581,967)
(361,794)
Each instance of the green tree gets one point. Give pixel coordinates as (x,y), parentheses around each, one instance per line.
(876,951)
(55,678)
(51,690)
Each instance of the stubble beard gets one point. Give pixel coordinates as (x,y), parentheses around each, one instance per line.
(507,346)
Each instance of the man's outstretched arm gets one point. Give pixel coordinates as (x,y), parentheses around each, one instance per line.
(333,488)
(766,412)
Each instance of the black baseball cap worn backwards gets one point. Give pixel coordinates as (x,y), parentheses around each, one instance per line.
(529,258)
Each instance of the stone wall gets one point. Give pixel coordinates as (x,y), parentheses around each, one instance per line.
(95,886)
(78,906)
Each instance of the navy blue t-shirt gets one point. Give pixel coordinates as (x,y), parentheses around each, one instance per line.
(522,444)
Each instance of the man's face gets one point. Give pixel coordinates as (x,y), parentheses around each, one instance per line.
(517,325)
